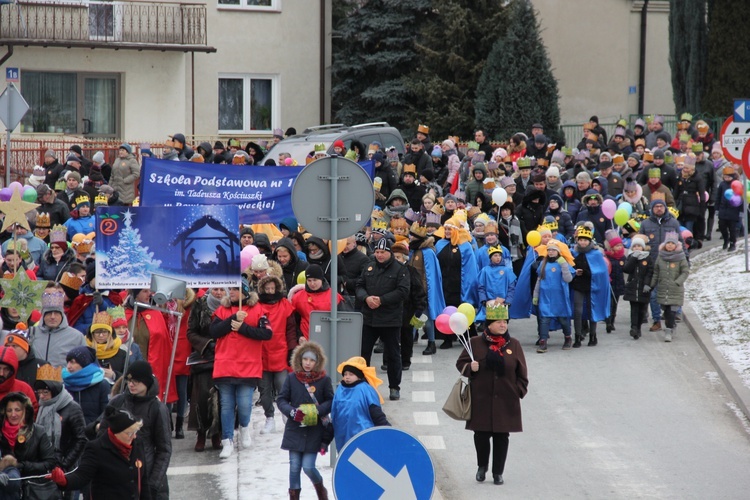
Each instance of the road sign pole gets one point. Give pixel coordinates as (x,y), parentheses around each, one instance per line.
(744,221)
(334,268)
(7,142)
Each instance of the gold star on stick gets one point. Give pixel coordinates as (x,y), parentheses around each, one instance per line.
(15,211)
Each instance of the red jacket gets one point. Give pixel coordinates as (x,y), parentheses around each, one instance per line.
(11,384)
(305,302)
(276,350)
(238,354)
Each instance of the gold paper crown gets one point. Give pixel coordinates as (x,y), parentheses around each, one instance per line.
(437,209)
(320,148)
(494,250)
(83,199)
(58,234)
(551,225)
(675,213)
(686,117)
(474,211)
(84,247)
(60,185)
(101,200)
(697,147)
(377,214)
(584,232)
(398,222)
(542,162)
(497,312)
(424,129)
(379,224)
(71,281)
(43,220)
(417,230)
(48,373)
(102,321)
(410,168)
(523,162)
(567,150)
(616,159)
(648,156)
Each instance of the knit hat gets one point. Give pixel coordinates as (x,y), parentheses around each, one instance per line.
(671,237)
(630,184)
(400,247)
(314,271)
(506,181)
(658,154)
(639,239)
(259,263)
(658,201)
(74,175)
(635,156)
(613,239)
(18,336)
(82,354)
(140,371)
(716,148)
(437,152)
(219,145)
(383,244)
(98,157)
(449,144)
(119,419)
(127,147)
(118,316)
(553,172)
(339,144)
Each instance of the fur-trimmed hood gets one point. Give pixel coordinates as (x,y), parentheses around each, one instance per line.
(274,268)
(280,287)
(251,300)
(298,351)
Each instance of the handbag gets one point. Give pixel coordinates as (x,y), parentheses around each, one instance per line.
(458,404)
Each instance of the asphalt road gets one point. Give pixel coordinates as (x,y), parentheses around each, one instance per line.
(625,419)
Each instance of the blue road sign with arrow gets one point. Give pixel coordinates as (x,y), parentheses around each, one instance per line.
(384,463)
(742,110)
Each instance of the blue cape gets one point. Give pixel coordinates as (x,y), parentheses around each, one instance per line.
(521,305)
(554,293)
(483,257)
(469,272)
(600,289)
(434,279)
(495,281)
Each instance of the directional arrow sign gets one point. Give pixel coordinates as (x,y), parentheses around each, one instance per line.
(384,463)
(742,110)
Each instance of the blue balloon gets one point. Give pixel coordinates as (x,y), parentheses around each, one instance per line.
(627,206)
(728,194)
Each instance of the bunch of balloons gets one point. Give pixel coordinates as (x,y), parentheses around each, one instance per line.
(27,193)
(455,320)
(734,194)
(620,214)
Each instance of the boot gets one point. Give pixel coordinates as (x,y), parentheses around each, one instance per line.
(542,347)
(200,443)
(568,343)
(178,432)
(294,494)
(447,344)
(430,349)
(216,441)
(609,326)
(668,335)
(592,340)
(227,447)
(577,343)
(321,491)
(655,327)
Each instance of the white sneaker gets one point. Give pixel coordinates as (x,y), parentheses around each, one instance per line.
(270,426)
(226,448)
(246,437)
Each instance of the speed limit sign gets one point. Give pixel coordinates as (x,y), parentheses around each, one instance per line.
(733,137)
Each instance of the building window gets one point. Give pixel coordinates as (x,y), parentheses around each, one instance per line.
(248,103)
(71,103)
(269,5)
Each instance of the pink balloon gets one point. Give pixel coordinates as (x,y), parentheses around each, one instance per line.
(609,207)
(288,162)
(442,323)
(246,256)
(450,310)
(16,186)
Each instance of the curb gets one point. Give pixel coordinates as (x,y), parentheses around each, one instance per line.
(728,375)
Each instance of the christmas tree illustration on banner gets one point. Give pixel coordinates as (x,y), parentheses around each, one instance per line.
(129,257)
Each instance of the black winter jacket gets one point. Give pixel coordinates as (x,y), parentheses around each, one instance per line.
(390,281)
(73,436)
(112,476)
(293,394)
(689,196)
(639,274)
(354,263)
(294,266)
(92,400)
(154,436)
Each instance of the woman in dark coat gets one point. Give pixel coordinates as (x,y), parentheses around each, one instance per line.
(308,384)
(201,415)
(26,441)
(499,380)
(112,463)
(84,380)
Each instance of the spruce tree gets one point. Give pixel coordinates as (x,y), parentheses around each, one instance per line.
(375,49)
(728,67)
(454,42)
(687,53)
(517,86)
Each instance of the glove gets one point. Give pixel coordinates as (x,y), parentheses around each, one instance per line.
(646,289)
(97,298)
(323,451)
(264,323)
(297,415)
(535,301)
(58,476)
(561,260)
(4,479)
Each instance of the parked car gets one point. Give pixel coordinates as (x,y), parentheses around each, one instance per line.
(301,145)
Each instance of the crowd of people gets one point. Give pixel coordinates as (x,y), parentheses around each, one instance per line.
(532,228)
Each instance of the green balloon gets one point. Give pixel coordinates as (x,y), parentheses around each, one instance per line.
(29,195)
(621,217)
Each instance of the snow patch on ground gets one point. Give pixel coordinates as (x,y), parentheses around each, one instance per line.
(719,291)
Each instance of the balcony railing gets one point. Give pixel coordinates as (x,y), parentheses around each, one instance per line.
(103,24)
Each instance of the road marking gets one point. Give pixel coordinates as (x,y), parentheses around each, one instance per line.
(185,470)
(421,359)
(423,376)
(423,396)
(432,442)
(426,418)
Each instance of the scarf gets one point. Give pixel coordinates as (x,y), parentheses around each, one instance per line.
(309,377)
(675,255)
(11,433)
(653,186)
(495,355)
(615,254)
(212,302)
(83,378)
(122,448)
(639,254)
(48,416)
(270,298)
(104,352)
(587,249)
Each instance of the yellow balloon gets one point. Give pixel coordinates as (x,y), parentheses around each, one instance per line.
(467,310)
(533,238)
(301,278)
